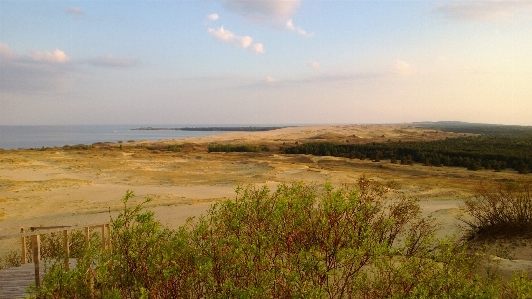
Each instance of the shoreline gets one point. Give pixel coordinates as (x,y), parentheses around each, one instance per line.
(212,129)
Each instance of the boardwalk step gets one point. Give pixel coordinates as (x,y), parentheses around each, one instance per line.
(14,281)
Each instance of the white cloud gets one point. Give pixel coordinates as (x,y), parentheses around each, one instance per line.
(56,56)
(270,80)
(50,57)
(314,65)
(261,10)
(213,17)
(245,42)
(258,48)
(298,30)
(275,12)
(403,68)
(222,34)
(48,71)
(75,11)
(483,10)
(5,51)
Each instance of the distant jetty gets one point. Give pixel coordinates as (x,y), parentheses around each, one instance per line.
(227,129)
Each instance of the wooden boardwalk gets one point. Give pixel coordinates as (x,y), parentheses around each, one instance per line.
(14,281)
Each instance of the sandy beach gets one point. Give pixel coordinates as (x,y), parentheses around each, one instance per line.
(76,186)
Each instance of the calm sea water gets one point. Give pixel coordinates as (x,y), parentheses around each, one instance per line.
(15,137)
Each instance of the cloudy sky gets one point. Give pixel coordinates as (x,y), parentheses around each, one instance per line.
(265,61)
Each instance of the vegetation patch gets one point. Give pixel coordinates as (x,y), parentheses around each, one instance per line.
(175,147)
(497,148)
(238,148)
(75,147)
(295,242)
(474,153)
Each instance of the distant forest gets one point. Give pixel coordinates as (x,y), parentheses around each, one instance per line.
(498,147)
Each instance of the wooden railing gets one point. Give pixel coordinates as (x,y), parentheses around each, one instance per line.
(36,232)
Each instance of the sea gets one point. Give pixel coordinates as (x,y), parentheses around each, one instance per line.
(23,137)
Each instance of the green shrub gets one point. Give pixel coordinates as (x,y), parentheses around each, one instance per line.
(52,245)
(146,258)
(295,242)
(341,243)
(520,287)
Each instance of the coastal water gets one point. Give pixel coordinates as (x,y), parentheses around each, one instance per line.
(15,137)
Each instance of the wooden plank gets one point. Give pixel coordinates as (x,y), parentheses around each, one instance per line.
(12,236)
(34,228)
(87,235)
(108,237)
(14,281)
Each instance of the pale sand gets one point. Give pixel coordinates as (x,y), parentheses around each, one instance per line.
(75,187)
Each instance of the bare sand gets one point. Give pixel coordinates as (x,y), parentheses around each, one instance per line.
(60,186)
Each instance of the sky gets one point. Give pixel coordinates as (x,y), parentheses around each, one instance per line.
(265,62)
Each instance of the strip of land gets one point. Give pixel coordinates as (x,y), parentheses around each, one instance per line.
(213,129)
(83,185)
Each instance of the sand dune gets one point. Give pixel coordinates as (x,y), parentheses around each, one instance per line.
(75,186)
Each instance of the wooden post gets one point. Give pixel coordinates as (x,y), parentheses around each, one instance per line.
(23,241)
(67,249)
(87,233)
(108,237)
(36,244)
(103,237)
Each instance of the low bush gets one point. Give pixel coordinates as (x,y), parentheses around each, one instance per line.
(502,210)
(10,259)
(295,242)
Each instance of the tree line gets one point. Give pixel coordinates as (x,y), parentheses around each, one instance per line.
(496,152)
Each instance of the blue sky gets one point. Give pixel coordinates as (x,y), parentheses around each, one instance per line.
(265,62)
